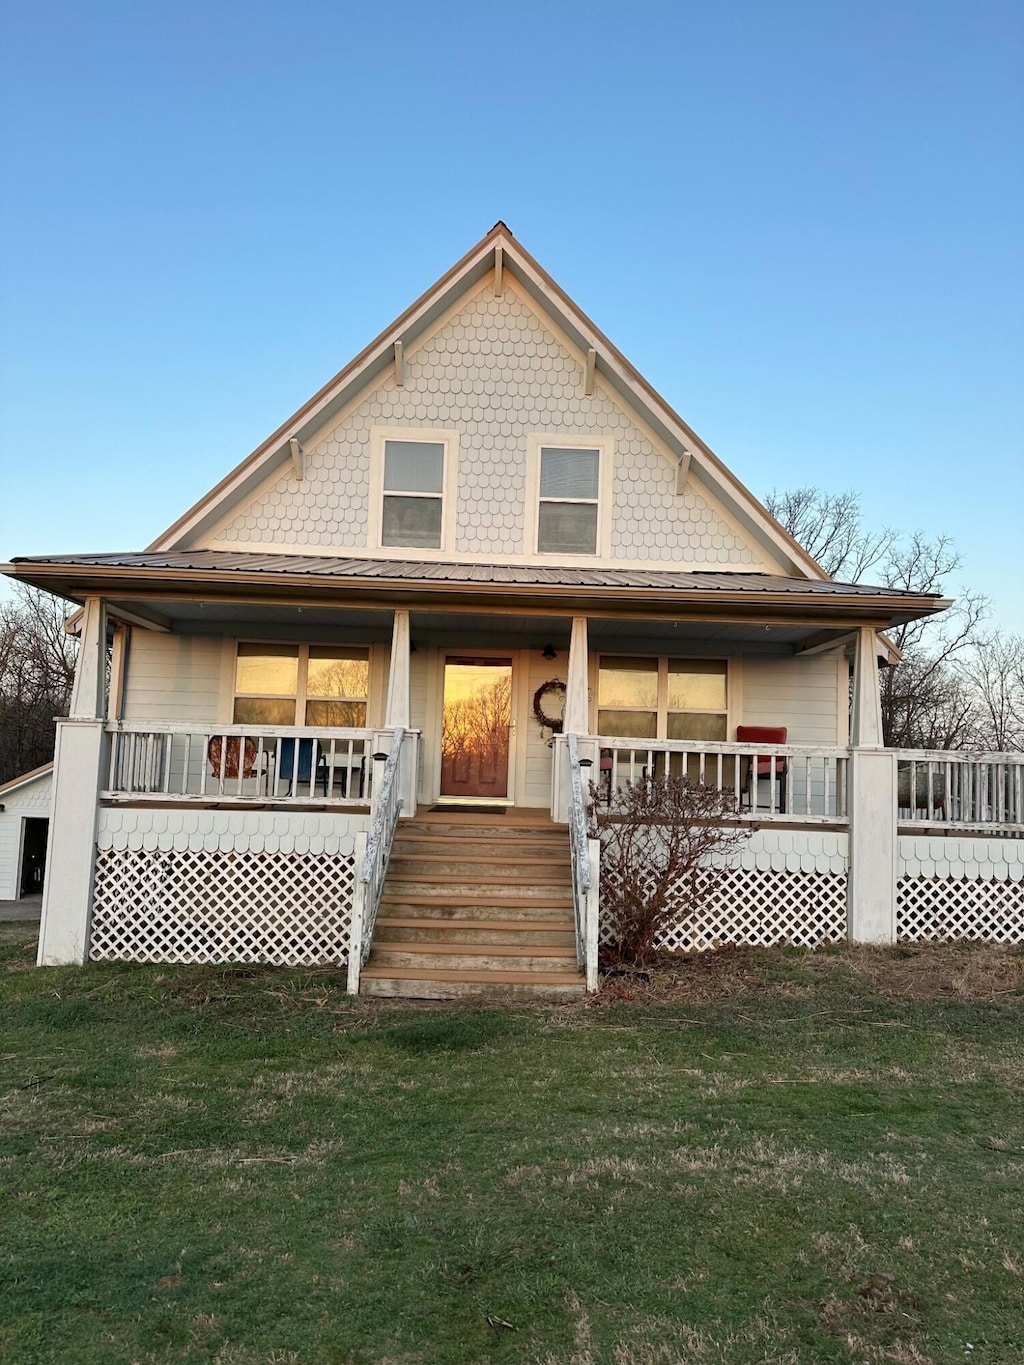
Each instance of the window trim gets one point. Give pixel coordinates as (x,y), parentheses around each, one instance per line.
(447,438)
(535,443)
(732,682)
(301,696)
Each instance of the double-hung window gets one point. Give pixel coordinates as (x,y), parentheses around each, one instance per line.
(412,513)
(413,475)
(652,698)
(570,484)
(568,495)
(284,684)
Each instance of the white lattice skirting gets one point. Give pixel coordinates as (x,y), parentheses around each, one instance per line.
(784,887)
(944,908)
(761,908)
(959,887)
(292,909)
(219,886)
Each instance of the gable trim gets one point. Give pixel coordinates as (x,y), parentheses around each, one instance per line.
(481,262)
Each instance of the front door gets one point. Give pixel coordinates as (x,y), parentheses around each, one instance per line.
(475,726)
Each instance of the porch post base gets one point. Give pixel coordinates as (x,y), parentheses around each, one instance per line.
(71,856)
(871,879)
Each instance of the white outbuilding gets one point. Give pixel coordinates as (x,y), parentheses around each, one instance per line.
(24,829)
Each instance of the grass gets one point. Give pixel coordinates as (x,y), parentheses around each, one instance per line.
(759,1157)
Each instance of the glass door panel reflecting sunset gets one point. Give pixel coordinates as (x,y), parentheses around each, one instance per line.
(475,727)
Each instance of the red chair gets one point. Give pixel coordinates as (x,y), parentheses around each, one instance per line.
(761,765)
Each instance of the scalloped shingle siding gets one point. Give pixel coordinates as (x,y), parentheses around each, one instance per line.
(495,374)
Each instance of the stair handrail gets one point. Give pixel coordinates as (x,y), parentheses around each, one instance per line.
(586,863)
(370,874)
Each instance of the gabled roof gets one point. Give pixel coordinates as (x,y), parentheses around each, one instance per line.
(498,251)
(26,779)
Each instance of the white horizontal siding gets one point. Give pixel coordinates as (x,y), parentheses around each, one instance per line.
(173,677)
(533,748)
(800,693)
(10,838)
(29,802)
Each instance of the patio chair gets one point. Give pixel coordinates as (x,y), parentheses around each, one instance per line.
(311,769)
(235,752)
(758,766)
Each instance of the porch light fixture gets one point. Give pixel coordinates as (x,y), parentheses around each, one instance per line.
(548,652)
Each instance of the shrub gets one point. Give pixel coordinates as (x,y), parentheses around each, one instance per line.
(656,837)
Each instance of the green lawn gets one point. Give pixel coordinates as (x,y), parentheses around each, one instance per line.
(774,1160)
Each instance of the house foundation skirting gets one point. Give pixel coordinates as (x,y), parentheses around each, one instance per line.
(783,886)
(790,886)
(220,886)
(960,888)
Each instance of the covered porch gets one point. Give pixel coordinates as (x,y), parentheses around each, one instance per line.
(232,786)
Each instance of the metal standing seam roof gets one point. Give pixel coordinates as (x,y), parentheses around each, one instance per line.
(526,575)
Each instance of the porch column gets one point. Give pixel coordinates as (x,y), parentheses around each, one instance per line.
(871,880)
(576,721)
(397,710)
(577,705)
(77,777)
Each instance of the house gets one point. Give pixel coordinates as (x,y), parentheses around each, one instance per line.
(24,828)
(356,691)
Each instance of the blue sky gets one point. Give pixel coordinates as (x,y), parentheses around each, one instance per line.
(801,221)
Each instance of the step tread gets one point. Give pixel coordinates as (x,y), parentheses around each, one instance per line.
(470,949)
(528,878)
(550,902)
(509,926)
(495,978)
(447,854)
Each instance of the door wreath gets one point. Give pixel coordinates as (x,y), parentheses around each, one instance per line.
(553,688)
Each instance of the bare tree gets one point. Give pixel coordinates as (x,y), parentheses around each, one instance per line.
(993,674)
(930,700)
(37,670)
(830,528)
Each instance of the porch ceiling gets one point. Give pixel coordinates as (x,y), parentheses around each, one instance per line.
(187,616)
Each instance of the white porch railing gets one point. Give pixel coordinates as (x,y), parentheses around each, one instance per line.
(372,868)
(586,871)
(238,764)
(945,789)
(794,782)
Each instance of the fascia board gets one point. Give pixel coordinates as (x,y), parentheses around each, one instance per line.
(26,779)
(78,581)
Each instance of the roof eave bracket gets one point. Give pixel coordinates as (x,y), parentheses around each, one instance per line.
(682,473)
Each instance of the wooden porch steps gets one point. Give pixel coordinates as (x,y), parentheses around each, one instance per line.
(476,905)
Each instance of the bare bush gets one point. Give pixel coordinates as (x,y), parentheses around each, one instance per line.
(656,837)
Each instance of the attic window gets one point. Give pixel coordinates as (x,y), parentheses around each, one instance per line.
(567,515)
(413,510)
